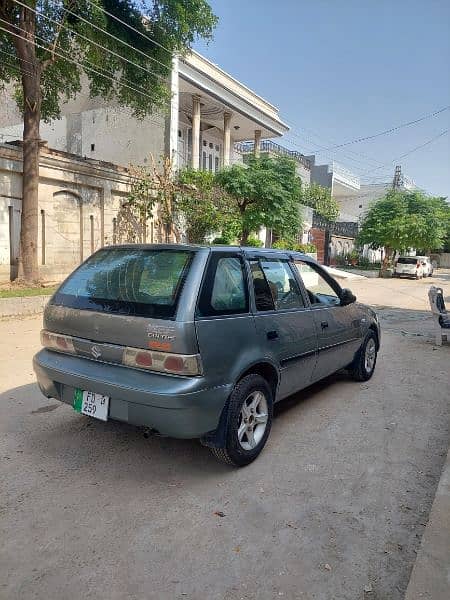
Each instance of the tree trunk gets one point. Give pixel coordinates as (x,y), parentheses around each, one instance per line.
(32,97)
(29,221)
(386,260)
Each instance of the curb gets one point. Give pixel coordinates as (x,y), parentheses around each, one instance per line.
(430,577)
(18,306)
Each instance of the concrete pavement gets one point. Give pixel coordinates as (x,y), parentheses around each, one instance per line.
(336,504)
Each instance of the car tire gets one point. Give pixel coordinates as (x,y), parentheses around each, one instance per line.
(250,414)
(365,361)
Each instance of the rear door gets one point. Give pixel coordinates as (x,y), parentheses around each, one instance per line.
(339,328)
(224,323)
(284,323)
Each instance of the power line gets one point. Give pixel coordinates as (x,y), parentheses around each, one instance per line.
(91,41)
(319,147)
(386,131)
(329,156)
(148,38)
(430,141)
(88,62)
(344,158)
(71,60)
(77,16)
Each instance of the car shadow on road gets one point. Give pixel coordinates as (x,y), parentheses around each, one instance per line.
(53,431)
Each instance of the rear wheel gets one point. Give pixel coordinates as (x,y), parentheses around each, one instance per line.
(363,366)
(249,421)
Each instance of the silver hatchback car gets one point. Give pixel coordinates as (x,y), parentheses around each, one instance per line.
(199,342)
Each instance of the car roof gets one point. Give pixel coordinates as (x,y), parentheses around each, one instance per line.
(215,248)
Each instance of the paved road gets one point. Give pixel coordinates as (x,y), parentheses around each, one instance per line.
(338,501)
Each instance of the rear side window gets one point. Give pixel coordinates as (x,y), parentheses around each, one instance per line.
(263,295)
(224,290)
(129,281)
(404,260)
(274,285)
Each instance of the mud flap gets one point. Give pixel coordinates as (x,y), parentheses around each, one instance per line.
(217,438)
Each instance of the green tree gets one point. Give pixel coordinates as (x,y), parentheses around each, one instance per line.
(203,205)
(265,192)
(319,198)
(403,220)
(48,45)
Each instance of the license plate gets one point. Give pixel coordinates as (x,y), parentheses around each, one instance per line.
(91,404)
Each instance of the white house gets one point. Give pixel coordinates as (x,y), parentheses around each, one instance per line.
(82,176)
(209,112)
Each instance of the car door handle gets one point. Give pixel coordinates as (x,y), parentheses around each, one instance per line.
(272,335)
(324,324)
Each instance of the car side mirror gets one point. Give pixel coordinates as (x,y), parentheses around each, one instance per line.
(347,297)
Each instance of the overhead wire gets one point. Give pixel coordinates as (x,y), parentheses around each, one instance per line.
(71,60)
(108,50)
(430,141)
(392,129)
(123,42)
(147,37)
(320,148)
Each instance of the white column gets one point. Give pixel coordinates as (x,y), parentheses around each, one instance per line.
(226,139)
(174,102)
(257,144)
(195,132)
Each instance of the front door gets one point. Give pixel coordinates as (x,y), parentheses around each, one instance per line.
(283,322)
(338,327)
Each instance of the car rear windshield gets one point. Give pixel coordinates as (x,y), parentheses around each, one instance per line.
(129,281)
(405,260)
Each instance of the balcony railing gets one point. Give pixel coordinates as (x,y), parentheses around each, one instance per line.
(272,147)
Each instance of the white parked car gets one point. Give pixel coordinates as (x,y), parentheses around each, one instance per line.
(413,266)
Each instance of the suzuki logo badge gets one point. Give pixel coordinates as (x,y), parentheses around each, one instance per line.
(96,352)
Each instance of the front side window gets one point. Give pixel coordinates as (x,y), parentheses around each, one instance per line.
(274,277)
(131,281)
(317,287)
(224,290)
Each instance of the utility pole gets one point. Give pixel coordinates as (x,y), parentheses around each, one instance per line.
(397,178)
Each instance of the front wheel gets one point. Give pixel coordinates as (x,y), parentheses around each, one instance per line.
(249,421)
(363,366)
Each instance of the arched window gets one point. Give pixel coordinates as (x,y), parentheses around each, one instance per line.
(67,235)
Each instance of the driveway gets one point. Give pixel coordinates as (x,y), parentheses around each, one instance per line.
(334,506)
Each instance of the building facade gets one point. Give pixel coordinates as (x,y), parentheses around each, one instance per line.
(79,201)
(209,112)
(83,169)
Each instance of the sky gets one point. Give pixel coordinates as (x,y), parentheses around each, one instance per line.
(344,69)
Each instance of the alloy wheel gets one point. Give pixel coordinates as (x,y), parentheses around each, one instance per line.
(370,355)
(253,420)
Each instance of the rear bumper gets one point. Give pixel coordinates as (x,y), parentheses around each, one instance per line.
(176,406)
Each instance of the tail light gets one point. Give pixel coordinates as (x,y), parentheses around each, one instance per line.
(57,341)
(164,362)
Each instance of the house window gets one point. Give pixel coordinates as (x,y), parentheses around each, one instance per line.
(210,162)
(217,148)
(360,206)
(92,147)
(204,161)
(179,133)
(204,142)
(216,163)
(211,145)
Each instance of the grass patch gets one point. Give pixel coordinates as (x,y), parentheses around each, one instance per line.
(21,292)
